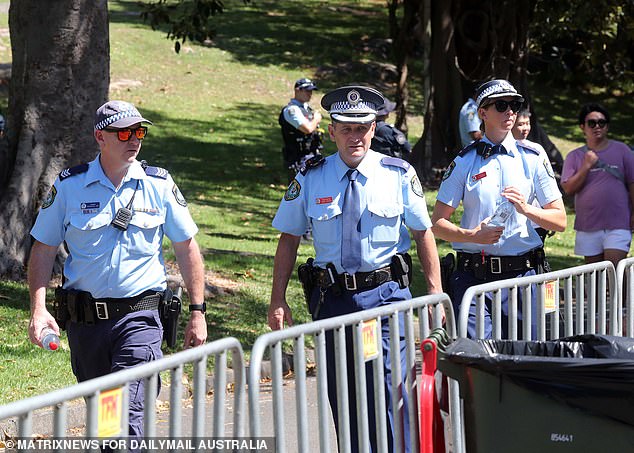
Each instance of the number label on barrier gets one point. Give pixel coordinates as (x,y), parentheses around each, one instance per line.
(550,302)
(370,340)
(110,411)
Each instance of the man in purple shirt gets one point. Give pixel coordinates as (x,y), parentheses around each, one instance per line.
(600,174)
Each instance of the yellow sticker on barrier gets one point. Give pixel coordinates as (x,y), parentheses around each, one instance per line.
(110,413)
(370,340)
(550,303)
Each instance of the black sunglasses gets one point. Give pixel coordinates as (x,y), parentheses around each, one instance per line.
(502,106)
(126,134)
(594,123)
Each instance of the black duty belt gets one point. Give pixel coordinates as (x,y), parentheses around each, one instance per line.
(112,308)
(324,278)
(489,264)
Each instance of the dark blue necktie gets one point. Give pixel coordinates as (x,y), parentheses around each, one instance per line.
(351,240)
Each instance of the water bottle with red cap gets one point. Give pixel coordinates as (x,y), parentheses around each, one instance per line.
(50,340)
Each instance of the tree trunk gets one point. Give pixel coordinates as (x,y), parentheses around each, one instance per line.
(472,41)
(60,75)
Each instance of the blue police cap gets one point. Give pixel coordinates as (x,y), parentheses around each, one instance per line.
(493,89)
(305,84)
(352,104)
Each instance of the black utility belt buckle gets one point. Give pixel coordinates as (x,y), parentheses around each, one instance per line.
(101,309)
(495,264)
(350,281)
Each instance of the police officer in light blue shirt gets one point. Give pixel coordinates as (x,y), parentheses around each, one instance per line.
(112,214)
(497,172)
(360,205)
(469,123)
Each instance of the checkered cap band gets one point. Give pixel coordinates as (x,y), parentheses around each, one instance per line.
(118,116)
(495,89)
(345,107)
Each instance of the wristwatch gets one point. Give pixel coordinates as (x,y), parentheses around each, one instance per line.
(198,307)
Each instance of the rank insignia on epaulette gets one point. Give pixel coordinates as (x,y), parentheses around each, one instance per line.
(293,191)
(68,172)
(311,163)
(156,172)
(396,162)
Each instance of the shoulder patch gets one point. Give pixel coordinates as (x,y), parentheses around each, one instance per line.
(449,170)
(156,172)
(526,147)
(180,199)
(76,170)
(50,198)
(467,149)
(549,169)
(396,162)
(293,191)
(311,163)
(417,187)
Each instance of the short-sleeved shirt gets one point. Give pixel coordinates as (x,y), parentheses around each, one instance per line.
(390,141)
(391,201)
(104,260)
(603,202)
(297,113)
(469,121)
(478,182)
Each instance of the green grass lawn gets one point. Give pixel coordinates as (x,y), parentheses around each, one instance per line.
(215,128)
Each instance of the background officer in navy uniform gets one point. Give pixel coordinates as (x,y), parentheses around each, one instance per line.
(363,251)
(300,128)
(117,264)
(388,139)
(485,175)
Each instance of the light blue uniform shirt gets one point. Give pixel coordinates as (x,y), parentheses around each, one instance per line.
(391,200)
(468,121)
(297,113)
(478,183)
(104,260)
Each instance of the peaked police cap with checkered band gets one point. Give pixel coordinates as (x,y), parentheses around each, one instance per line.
(494,89)
(353,104)
(118,114)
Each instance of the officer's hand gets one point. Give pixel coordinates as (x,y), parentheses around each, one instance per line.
(196,330)
(39,319)
(516,197)
(278,313)
(589,159)
(486,234)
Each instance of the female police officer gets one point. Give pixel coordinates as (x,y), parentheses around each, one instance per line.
(485,175)
(388,199)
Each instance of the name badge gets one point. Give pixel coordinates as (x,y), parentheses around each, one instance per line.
(479,176)
(324,200)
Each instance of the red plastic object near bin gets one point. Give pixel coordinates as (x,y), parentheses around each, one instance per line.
(432,436)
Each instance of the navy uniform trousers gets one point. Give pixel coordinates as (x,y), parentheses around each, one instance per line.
(112,345)
(460,281)
(350,302)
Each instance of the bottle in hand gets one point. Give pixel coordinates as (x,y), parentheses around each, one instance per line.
(50,340)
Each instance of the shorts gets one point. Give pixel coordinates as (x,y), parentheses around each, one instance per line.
(591,243)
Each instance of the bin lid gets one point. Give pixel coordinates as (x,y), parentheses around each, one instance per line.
(591,372)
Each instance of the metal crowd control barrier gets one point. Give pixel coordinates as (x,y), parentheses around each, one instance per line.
(600,295)
(91,390)
(600,301)
(318,329)
(625,285)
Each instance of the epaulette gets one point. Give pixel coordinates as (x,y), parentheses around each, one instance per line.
(311,163)
(396,162)
(470,147)
(157,172)
(527,147)
(76,170)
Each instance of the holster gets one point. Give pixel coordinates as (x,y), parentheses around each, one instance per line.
(401,269)
(72,305)
(60,308)
(305,275)
(447,266)
(542,265)
(170,309)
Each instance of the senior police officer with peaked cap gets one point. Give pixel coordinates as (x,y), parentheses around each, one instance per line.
(497,172)
(112,214)
(360,204)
